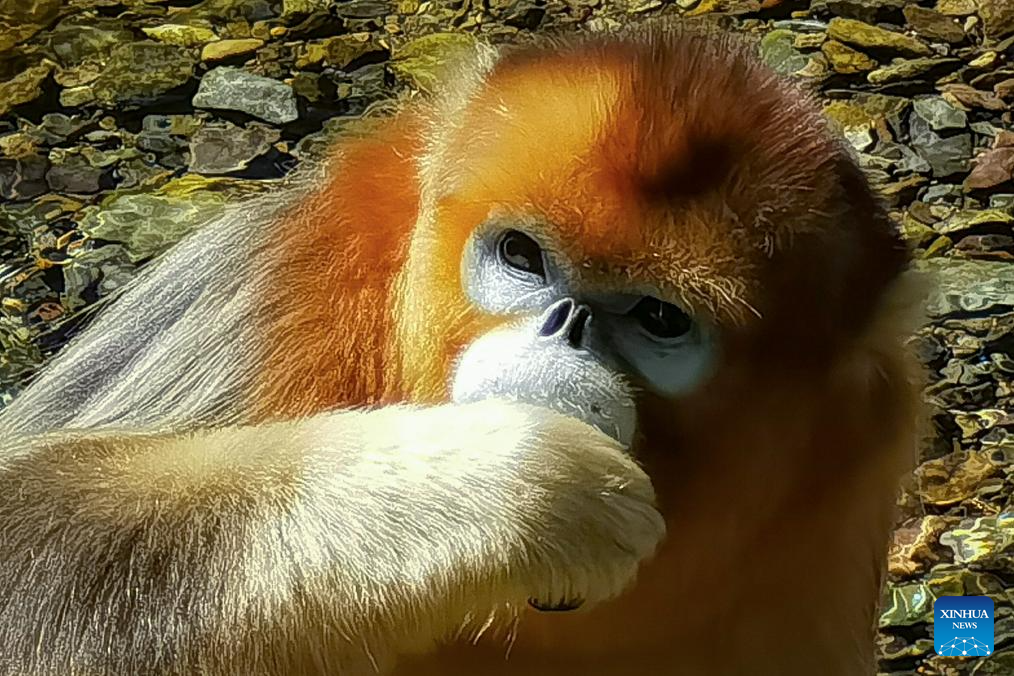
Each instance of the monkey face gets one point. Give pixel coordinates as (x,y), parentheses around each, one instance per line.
(582,351)
(653,220)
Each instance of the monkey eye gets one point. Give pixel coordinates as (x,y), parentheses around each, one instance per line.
(661,319)
(521,252)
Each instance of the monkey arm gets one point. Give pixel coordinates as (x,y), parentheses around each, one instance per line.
(307,545)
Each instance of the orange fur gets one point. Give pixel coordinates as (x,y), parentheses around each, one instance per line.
(340,251)
(669,162)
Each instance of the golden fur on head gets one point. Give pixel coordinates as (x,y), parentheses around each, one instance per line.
(672,159)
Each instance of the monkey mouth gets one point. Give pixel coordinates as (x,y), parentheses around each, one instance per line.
(556,607)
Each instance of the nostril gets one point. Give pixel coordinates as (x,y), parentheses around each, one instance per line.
(576,331)
(556,317)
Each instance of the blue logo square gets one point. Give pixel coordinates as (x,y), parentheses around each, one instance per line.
(963,626)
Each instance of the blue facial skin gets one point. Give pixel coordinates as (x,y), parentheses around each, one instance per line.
(507,271)
(584,352)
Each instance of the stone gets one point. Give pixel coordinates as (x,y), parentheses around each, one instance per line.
(870,11)
(971,97)
(984,60)
(1004,89)
(177,125)
(1001,70)
(222,148)
(943,192)
(967,219)
(864,110)
(777,50)
(984,543)
(1003,201)
(80,37)
(139,72)
(20,21)
(861,34)
(957,7)
(309,86)
(72,172)
(938,246)
(19,144)
(57,127)
(992,168)
(915,546)
(915,232)
(73,97)
(230,88)
(147,223)
(909,604)
(100,270)
(181,35)
(946,155)
(860,138)
(361,9)
(816,68)
(1001,663)
(939,114)
(953,478)
(422,61)
(903,158)
(24,87)
(904,190)
(234,12)
(845,60)
(809,40)
(340,51)
(934,25)
(905,69)
(76,76)
(221,50)
(997,18)
(23,178)
(296,7)
(802,25)
(964,286)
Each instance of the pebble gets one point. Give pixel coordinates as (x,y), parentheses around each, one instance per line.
(939,114)
(221,50)
(861,34)
(230,88)
(223,148)
(992,168)
(138,72)
(179,34)
(23,87)
(845,60)
(934,25)
(905,69)
(946,155)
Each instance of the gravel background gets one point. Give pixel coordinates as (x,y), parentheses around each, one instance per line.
(126,123)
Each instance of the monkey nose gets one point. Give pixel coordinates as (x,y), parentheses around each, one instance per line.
(568,320)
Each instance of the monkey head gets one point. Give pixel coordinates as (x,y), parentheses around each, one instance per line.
(626,217)
(578,350)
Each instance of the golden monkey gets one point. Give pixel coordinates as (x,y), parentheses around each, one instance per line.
(421,401)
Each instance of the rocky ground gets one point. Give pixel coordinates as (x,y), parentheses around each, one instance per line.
(124,123)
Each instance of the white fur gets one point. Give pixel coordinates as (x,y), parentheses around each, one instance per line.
(329,545)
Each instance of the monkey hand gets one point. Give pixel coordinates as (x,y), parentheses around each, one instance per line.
(586,510)
(512,502)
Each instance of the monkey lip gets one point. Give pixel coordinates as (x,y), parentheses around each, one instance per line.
(558,607)
(515,363)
